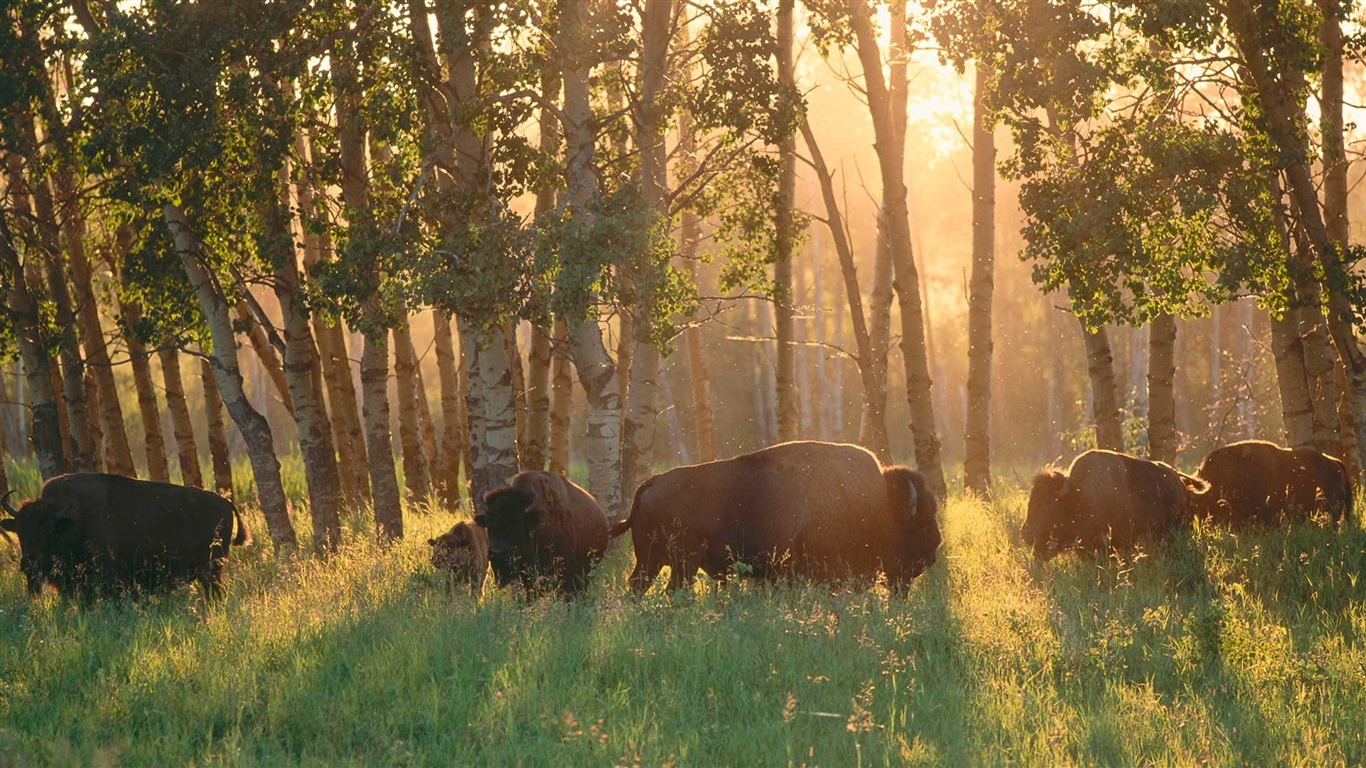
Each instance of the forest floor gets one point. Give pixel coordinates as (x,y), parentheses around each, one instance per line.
(1218,649)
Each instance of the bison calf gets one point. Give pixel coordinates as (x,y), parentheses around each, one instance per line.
(1106,499)
(463,553)
(89,533)
(543,527)
(1259,483)
(804,509)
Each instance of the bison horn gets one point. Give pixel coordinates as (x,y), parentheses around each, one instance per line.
(4,502)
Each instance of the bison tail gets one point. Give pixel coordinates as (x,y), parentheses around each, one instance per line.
(624,524)
(243,533)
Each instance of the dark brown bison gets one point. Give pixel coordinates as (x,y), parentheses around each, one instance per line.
(1259,483)
(802,509)
(543,527)
(91,533)
(1107,499)
(463,554)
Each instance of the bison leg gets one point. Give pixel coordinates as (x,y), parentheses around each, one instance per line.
(211,580)
(681,573)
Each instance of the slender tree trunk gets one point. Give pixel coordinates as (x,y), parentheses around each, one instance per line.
(561,398)
(1335,210)
(977,437)
(130,310)
(374,365)
(220,462)
(120,457)
(1318,349)
(374,384)
(1105,412)
(255,429)
(430,445)
(597,374)
(447,476)
(97,439)
(302,374)
(265,352)
(1277,87)
(873,433)
(416,480)
(514,358)
(1161,390)
(785,371)
(642,400)
(536,448)
(689,231)
(887,102)
(331,344)
(536,451)
(69,353)
(22,308)
(494,433)
(186,452)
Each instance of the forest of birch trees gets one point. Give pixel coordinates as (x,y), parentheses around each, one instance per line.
(417,246)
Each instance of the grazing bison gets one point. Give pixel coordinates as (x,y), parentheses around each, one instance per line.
(543,527)
(463,553)
(1259,483)
(90,533)
(1107,498)
(803,509)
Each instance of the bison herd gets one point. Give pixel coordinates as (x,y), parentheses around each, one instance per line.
(800,510)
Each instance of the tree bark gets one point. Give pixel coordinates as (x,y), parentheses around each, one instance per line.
(536,448)
(873,432)
(1335,210)
(22,308)
(689,232)
(416,479)
(130,311)
(1284,119)
(227,375)
(887,103)
(120,457)
(1105,412)
(97,438)
(447,476)
(597,373)
(977,436)
(1161,389)
(72,367)
(642,398)
(303,378)
(785,370)
(261,340)
(374,365)
(495,431)
(519,398)
(374,384)
(220,462)
(181,428)
(561,398)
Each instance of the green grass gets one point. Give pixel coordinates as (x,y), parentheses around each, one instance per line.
(1221,649)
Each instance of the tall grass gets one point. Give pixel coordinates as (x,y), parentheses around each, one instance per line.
(1221,648)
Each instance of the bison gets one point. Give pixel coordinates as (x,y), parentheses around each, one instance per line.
(1259,483)
(543,527)
(90,533)
(463,553)
(1107,499)
(801,509)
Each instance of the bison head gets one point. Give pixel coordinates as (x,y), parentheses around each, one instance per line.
(1045,514)
(462,552)
(912,500)
(1201,502)
(45,531)
(511,519)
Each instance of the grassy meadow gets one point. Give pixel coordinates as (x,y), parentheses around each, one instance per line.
(1219,649)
